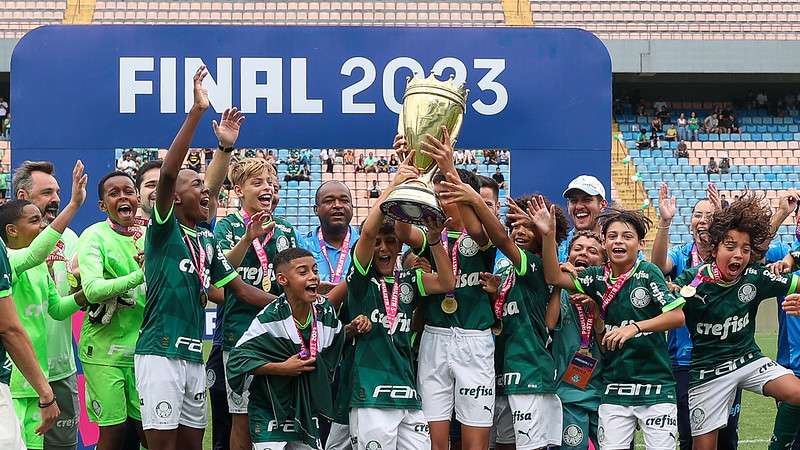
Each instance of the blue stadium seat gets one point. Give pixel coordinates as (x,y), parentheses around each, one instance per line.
(748,177)
(741,185)
(724,137)
(634,153)
(787,136)
(736,137)
(747,137)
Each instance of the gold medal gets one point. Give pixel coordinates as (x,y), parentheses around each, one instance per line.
(449,304)
(203,298)
(688,291)
(266,283)
(497,329)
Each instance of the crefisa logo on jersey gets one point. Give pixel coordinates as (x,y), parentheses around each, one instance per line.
(640,297)
(468,247)
(747,293)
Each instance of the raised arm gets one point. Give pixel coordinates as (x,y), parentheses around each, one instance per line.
(227,131)
(165,191)
(442,281)
(666,209)
(545,222)
(787,205)
(79,179)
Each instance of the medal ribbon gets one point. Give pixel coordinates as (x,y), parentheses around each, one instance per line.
(58,255)
(305,353)
(613,290)
(390,304)
(336,276)
(263,260)
(198,260)
(453,253)
(587,323)
(696,261)
(135,231)
(508,283)
(797,229)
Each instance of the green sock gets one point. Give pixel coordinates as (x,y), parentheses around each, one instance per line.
(787,423)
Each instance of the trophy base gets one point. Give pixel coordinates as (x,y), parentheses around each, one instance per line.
(412,204)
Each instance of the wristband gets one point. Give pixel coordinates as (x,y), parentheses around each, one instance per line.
(431,244)
(48,404)
(224,149)
(637,327)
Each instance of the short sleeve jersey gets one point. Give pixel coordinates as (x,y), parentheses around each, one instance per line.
(174,317)
(382,372)
(722,318)
(106,255)
(523,364)
(5,291)
(640,373)
(238,314)
(474,306)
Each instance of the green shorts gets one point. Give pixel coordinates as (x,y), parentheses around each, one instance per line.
(111,396)
(27,411)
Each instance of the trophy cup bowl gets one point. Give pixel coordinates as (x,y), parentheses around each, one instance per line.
(428,104)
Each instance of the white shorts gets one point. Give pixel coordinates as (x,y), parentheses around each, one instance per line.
(710,403)
(401,429)
(281,446)
(10,430)
(172,392)
(456,369)
(659,424)
(237,404)
(530,421)
(338,437)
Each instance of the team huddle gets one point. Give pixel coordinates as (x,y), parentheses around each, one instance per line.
(467,332)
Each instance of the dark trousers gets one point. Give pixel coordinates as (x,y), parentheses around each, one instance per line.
(220,417)
(728,438)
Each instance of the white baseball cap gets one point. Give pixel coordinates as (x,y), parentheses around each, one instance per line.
(587,184)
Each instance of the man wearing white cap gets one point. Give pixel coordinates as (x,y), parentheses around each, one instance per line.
(586,198)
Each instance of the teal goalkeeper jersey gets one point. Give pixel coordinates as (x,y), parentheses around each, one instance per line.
(108,271)
(174,316)
(238,314)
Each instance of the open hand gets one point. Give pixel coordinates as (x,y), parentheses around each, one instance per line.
(544,220)
(518,216)
(200,92)
(458,191)
(400,146)
(490,283)
(439,151)
(616,338)
(405,171)
(79,180)
(227,130)
(666,203)
(791,304)
(713,196)
(256,228)
(435,227)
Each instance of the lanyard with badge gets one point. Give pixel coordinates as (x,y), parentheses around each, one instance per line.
(198,261)
(309,351)
(261,254)
(450,304)
(391,302)
(134,231)
(335,275)
(580,368)
(500,300)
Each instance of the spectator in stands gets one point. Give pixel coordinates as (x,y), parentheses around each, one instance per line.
(260,154)
(654,139)
(208,155)
(656,125)
(725,165)
(724,202)
(503,156)
(271,159)
(683,150)
(682,122)
(360,167)
(469,157)
(663,115)
(6,126)
(294,172)
(642,141)
(383,164)
(3,114)
(349,157)
(712,166)
(659,104)
(374,191)
(3,185)
(370,163)
(672,134)
(711,124)
(327,156)
(193,161)
(693,126)
(394,163)
(724,125)
(458,157)
(734,123)
(127,164)
(761,100)
(490,157)
(499,178)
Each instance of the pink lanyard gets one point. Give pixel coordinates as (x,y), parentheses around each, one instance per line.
(336,276)
(263,260)
(453,254)
(503,293)
(198,260)
(586,323)
(614,289)
(134,231)
(305,353)
(696,261)
(390,304)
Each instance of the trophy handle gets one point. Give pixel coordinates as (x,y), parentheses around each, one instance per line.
(401,131)
(456,130)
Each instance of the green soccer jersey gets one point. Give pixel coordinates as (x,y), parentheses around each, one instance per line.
(238,314)
(722,318)
(36,297)
(522,363)
(383,376)
(639,373)
(174,316)
(59,332)
(5,291)
(567,341)
(109,270)
(474,306)
(281,408)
